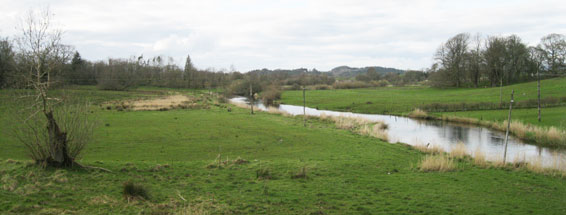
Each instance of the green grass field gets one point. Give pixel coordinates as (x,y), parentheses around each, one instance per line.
(347,173)
(401,100)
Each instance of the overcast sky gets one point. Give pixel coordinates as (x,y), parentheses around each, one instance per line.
(255,34)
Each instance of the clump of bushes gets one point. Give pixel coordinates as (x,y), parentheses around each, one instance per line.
(270,95)
(380,83)
(351,85)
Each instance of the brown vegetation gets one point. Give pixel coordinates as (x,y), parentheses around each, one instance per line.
(437,163)
(458,151)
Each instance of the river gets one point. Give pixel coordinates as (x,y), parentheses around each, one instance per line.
(445,135)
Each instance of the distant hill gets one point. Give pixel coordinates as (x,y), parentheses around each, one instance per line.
(338,72)
(288,72)
(348,72)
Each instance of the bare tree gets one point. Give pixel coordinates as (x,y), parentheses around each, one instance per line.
(475,60)
(554,46)
(451,56)
(54,132)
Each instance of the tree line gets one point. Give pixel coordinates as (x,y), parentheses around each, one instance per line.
(474,61)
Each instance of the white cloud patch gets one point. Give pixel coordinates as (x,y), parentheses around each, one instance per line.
(254,34)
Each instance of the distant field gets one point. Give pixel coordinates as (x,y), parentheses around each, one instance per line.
(399,100)
(347,173)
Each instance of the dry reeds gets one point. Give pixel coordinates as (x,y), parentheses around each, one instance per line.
(349,123)
(428,148)
(418,113)
(359,125)
(274,110)
(158,103)
(536,166)
(437,163)
(377,130)
(549,136)
(479,158)
(458,151)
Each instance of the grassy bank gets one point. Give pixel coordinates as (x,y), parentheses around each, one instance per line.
(403,100)
(290,169)
(400,100)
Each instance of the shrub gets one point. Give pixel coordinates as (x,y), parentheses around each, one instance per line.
(270,95)
(59,144)
(380,83)
(350,85)
(322,87)
(133,191)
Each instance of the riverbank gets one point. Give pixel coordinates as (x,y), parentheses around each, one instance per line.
(549,136)
(401,101)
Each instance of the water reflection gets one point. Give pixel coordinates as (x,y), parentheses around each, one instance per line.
(444,134)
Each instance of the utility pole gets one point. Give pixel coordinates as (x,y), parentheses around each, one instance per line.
(538,86)
(508,126)
(251,98)
(304,108)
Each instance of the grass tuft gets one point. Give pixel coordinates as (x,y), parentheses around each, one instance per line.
(437,163)
(132,191)
(264,174)
(302,173)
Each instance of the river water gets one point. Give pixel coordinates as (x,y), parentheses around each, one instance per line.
(445,135)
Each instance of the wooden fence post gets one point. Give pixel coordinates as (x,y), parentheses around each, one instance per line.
(508,126)
(304,108)
(252,99)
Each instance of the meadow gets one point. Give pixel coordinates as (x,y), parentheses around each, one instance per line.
(401,100)
(209,160)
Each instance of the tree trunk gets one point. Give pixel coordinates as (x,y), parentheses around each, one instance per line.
(59,154)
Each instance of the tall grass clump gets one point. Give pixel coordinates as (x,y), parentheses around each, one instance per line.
(418,113)
(458,151)
(428,148)
(349,123)
(480,159)
(133,191)
(359,125)
(377,130)
(437,163)
(274,110)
